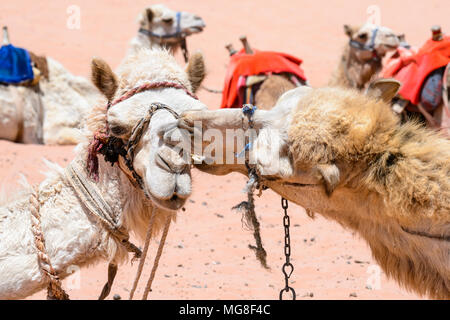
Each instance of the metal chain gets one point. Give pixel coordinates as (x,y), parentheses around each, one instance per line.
(287,268)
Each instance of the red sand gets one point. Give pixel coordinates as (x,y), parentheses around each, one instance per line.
(206,255)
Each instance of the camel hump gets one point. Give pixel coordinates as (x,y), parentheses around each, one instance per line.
(384,89)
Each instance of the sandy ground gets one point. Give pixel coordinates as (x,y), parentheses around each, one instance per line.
(206,255)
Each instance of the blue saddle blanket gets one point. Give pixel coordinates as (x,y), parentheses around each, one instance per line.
(15,65)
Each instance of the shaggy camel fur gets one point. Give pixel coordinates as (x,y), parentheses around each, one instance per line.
(72,235)
(344,154)
(360,63)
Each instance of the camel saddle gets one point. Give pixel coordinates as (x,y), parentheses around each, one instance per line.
(21,67)
(252,67)
(413,68)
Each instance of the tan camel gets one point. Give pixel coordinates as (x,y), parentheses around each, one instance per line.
(271,86)
(344,154)
(361,59)
(73,235)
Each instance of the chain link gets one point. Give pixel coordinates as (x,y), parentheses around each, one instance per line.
(287,268)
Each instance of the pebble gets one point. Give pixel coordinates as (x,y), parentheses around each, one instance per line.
(353,294)
(359,261)
(204,203)
(117,297)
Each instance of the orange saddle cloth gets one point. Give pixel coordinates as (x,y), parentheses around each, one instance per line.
(411,68)
(260,62)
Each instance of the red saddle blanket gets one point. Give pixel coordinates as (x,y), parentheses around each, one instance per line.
(260,62)
(412,68)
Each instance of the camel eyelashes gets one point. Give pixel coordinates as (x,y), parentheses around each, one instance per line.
(118,130)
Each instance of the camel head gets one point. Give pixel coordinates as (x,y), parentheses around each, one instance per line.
(343,154)
(371,41)
(168,27)
(164,171)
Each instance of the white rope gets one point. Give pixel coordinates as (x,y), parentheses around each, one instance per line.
(144,253)
(158,255)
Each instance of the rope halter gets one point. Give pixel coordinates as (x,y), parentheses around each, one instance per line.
(112,147)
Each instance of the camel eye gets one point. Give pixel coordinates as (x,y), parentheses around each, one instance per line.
(362,36)
(117,130)
(168,20)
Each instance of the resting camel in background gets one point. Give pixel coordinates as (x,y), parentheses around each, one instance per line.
(54,110)
(359,64)
(343,154)
(48,111)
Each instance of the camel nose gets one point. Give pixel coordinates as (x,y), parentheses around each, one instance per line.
(200,21)
(170,160)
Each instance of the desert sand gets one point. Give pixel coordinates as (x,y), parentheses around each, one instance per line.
(206,254)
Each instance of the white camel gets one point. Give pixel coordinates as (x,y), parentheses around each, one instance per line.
(73,236)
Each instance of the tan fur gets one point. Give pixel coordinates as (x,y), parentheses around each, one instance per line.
(196,70)
(271,89)
(103,77)
(402,171)
(40,63)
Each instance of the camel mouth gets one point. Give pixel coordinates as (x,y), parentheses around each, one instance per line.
(391,46)
(174,203)
(194,30)
(424,234)
(197,28)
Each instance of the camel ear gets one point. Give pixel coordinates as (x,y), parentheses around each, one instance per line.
(331,176)
(349,30)
(103,78)
(196,70)
(149,14)
(384,89)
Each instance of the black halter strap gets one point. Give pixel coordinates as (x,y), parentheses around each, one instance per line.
(176,34)
(366,47)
